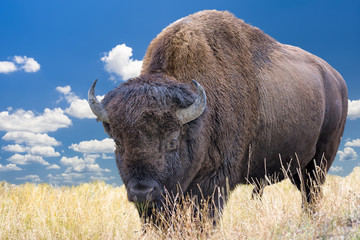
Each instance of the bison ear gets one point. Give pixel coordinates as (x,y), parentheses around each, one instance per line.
(194,110)
(95,106)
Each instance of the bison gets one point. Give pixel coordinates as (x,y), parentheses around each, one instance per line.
(219,103)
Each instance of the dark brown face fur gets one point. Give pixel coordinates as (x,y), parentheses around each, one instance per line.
(152,146)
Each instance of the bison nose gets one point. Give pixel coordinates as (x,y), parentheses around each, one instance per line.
(142,193)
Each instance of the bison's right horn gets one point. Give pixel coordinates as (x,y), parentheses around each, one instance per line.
(96,107)
(194,110)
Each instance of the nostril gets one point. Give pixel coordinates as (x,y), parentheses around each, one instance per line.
(141,193)
(139,190)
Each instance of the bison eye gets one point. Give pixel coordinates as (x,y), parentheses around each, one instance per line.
(172,144)
(173,141)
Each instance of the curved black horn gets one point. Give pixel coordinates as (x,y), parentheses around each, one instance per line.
(96,107)
(194,110)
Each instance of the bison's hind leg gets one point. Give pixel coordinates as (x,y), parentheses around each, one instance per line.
(309,181)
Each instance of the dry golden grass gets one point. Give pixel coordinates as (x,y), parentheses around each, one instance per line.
(100,211)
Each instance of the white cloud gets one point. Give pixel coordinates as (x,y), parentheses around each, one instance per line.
(27,64)
(347,155)
(83,165)
(354,109)
(95,146)
(15,148)
(99,178)
(27,159)
(54,166)
(65,178)
(30,178)
(336,169)
(38,146)
(119,62)
(32,139)
(44,151)
(21,120)
(104,156)
(7,67)
(66,90)
(73,162)
(353,143)
(9,167)
(78,108)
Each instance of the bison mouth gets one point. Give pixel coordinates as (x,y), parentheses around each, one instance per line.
(176,209)
(158,209)
(146,196)
(159,212)
(148,210)
(154,204)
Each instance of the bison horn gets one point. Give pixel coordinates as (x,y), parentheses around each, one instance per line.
(96,107)
(194,110)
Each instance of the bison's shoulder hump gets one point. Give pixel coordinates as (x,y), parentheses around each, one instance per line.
(203,41)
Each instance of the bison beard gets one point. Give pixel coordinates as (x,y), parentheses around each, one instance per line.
(258,110)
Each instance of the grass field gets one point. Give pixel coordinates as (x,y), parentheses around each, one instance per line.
(100,211)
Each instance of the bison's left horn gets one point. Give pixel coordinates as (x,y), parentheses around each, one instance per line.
(96,107)
(194,110)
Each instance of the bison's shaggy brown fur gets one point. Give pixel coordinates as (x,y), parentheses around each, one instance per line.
(273,110)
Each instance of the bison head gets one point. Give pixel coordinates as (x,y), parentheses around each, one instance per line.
(155,124)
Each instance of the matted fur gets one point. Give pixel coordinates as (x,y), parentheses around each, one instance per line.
(270,106)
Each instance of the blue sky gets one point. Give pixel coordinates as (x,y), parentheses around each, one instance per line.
(51,51)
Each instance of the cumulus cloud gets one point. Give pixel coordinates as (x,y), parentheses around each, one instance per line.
(44,151)
(105,156)
(353,143)
(118,61)
(15,148)
(9,167)
(65,178)
(27,64)
(20,120)
(27,159)
(53,166)
(100,178)
(37,146)
(7,67)
(30,178)
(83,165)
(31,139)
(66,90)
(68,94)
(74,162)
(347,155)
(354,109)
(336,169)
(78,108)
(95,146)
